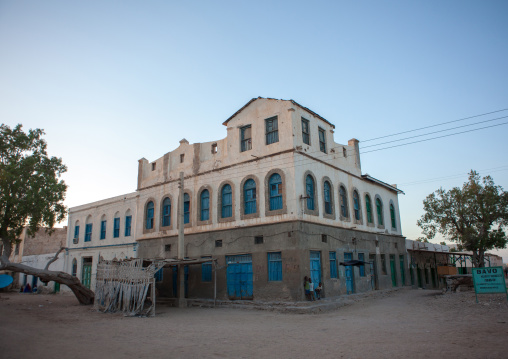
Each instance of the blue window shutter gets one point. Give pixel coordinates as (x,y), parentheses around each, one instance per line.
(186,208)
(205,205)
(206,271)
(275,186)
(310,192)
(328,202)
(166,212)
(76,232)
(116,228)
(250,196)
(103,230)
(149,215)
(128,220)
(333,265)
(274,266)
(227,202)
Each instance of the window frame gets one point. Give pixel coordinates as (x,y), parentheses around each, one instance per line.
(322,139)
(166,217)
(103,229)
(150,215)
(379,212)
(368,209)
(186,208)
(88,232)
(204,208)
(271,134)
(128,226)
(245,142)
(116,227)
(392,216)
(229,205)
(250,199)
(306,131)
(275,194)
(343,202)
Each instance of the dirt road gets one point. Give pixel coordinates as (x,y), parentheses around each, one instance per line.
(402,324)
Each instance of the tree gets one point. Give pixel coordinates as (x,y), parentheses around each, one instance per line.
(31,196)
(475,216)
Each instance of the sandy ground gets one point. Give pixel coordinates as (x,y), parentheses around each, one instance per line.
(400,324)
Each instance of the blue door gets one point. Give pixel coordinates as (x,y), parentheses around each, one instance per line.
(315,267)
(239,276)
(175,280)
(349,274)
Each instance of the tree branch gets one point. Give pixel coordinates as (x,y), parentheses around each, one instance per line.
(54,258)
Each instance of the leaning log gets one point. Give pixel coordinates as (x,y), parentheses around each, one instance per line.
(83,294)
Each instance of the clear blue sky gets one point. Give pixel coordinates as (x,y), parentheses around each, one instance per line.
(114,81)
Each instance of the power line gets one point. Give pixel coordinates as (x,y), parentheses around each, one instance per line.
(440,124)
(433,138)
(431,133)
(495,169)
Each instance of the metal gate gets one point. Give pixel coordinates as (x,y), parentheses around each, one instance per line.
(315,267)
(392,270)
(350,287)
(239,276)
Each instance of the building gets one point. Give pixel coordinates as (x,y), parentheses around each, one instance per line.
(35,251)
(425,261)
(276,200)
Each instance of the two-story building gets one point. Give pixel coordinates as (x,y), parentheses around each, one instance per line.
(274,201)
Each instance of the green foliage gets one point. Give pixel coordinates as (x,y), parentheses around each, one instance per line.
(475,216)
(31,191)
(442,243)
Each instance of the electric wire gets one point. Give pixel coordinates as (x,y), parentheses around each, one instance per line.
(431,133)
(433,138)
(436,125)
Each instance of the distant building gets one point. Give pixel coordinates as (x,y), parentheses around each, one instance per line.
(276,200)
(35,251)
(424,259)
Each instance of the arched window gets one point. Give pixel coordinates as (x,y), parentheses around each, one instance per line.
(186,208)
(166,212)
(249,189)
(379,208)
(227,202)
(275,185)
(149,215)
(74,267)
(343,202)
(356,204)
(328,198)
(205,205)
(392,216)
(368,207)
(309,187)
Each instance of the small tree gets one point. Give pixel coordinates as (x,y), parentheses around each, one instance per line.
(475,216)
(31,196)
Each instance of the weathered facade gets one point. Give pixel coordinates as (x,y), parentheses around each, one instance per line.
(274,201)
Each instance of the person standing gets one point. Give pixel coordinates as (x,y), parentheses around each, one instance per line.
(318,290)
(306,286)
(311,290)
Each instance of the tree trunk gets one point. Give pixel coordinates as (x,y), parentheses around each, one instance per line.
(83,294)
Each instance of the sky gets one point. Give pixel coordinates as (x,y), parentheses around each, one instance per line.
(111,82)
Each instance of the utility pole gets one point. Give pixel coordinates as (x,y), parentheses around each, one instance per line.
(181,246)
